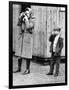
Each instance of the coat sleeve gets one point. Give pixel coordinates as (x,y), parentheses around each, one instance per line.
(60,46)
(51,38)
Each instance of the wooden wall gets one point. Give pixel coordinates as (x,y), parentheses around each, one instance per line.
(16,29)
(47,18)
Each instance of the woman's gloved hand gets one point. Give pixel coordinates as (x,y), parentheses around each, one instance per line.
(25,18)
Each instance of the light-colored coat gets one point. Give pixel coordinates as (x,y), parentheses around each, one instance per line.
(25,45)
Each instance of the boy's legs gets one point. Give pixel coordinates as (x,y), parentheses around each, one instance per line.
(57,65)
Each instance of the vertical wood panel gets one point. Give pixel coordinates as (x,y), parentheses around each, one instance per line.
(47,18)
(62,23)
(40,30)
(16,29)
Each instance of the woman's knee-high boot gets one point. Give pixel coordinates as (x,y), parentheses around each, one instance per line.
(19,65)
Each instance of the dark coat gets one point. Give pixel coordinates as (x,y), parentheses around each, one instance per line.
(59,45)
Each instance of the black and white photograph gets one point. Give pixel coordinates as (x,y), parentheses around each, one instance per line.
(37,44)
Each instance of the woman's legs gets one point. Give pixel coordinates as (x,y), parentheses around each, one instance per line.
(28,64)
(27,71)
(19,65)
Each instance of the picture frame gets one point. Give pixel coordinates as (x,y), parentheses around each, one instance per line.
(11,86)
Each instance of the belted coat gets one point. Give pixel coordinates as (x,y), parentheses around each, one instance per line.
(25,42)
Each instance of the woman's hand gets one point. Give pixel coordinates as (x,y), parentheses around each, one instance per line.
(25,18)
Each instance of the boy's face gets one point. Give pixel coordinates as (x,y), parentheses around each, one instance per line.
(56,32)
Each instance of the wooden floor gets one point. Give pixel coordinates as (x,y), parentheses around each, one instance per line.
(37,74)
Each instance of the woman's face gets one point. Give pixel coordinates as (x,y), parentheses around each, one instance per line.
(27,14)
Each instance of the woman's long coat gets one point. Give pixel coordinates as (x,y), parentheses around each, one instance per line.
(25,42)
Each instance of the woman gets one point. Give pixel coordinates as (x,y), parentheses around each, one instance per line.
(26,37)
